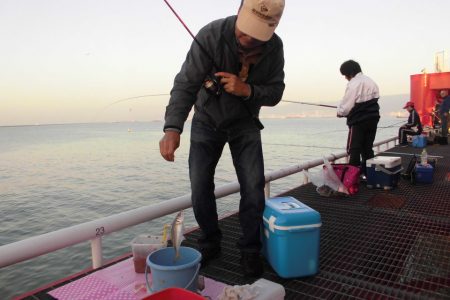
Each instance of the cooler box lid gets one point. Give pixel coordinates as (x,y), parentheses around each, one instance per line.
(385,161)
(287,213)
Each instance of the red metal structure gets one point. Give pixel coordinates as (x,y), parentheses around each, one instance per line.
(425,91)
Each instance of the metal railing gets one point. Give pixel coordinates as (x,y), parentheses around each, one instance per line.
(94,230)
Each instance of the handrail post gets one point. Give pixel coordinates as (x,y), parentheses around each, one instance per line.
(267,190)
(96,250)
(305,178)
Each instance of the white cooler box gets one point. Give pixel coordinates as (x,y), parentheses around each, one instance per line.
(383,171)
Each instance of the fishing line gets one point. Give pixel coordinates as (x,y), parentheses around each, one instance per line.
(126,99)
(131,98)
(346,130)
(304,146)
(298,102)
(332,106)
(392,125)
(323,133)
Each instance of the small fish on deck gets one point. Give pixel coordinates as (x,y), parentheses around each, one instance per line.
(177,233)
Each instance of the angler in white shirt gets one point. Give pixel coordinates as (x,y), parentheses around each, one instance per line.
(360,106)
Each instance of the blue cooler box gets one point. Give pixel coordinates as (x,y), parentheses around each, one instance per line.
(291,237)
(419,141)
(383,171)
(424,173)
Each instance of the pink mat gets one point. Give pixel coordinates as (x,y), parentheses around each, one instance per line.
(118,281)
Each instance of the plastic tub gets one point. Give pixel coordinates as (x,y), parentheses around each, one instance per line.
(142,246)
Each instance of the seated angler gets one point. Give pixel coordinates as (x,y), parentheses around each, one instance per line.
(413,127)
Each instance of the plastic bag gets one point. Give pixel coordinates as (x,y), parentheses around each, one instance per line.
(238,292)
(327,182)
(331,179)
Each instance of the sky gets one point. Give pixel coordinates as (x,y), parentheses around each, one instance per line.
(74,61)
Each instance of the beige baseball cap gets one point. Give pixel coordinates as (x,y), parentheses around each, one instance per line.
(259,18)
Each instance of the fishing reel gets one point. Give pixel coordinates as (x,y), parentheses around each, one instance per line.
(212,86)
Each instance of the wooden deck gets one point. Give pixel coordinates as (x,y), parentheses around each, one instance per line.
(375,245)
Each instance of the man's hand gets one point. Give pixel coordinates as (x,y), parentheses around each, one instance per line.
(233,84)
(168,144)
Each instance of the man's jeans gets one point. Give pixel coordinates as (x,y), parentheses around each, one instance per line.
(206,148)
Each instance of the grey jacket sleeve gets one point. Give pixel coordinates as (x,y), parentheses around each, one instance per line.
(188,82)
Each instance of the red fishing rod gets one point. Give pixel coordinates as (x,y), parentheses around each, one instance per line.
(211,83)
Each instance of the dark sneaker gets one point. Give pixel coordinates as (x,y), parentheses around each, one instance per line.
(209,253)
(403,145)
(251,264)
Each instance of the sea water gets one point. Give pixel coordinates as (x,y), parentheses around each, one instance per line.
(55,176)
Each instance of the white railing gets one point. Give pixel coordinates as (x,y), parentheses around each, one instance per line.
(94,230)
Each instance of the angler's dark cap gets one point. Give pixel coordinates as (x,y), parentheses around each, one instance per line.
(410,104)
(259,18)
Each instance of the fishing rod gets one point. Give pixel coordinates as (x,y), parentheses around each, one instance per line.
(332,106)
(309,103)
(211,83)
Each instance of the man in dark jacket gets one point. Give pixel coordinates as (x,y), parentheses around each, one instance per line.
(246,57)
(360,107)
(412,127)
(443,112)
